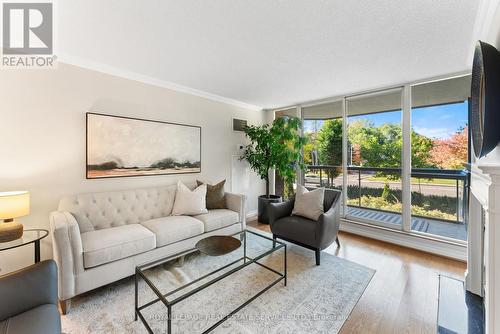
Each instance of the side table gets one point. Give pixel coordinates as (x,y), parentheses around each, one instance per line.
(32,236)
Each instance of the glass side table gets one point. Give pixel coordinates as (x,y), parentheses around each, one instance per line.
(32,236)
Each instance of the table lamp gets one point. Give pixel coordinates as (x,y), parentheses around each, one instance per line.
(13,204)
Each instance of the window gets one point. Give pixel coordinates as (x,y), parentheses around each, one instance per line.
(363,145)
(439,141)
(323,152)
(374,154)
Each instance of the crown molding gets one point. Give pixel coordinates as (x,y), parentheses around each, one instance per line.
(130,75)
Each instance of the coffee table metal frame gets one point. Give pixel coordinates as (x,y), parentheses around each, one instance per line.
(139,273)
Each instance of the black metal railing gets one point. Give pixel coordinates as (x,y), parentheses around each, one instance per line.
(329,174)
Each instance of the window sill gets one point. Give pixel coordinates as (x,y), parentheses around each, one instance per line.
(452,249)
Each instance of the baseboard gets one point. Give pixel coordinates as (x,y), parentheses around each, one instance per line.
(251,215)
(446,249)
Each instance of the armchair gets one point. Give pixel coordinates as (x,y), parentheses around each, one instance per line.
(29,300)
(314,235)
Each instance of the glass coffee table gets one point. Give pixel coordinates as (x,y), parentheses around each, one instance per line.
(220,259)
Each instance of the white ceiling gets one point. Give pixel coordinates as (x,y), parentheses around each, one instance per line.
(270,53)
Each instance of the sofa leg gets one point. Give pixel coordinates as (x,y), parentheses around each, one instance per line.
(65,306)
(338,242)
(318,257)
(274,241)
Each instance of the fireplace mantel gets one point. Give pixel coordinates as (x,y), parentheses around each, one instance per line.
(485,209)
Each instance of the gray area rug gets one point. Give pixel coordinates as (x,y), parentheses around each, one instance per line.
(317,299)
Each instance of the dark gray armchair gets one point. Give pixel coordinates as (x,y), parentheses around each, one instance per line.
(28,300)
(314,235)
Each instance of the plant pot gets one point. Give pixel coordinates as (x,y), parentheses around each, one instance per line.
(263,203)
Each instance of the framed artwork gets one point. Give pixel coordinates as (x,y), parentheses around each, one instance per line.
(123,146)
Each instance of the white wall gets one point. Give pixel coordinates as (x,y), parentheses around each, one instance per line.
(42,137)
(493,35)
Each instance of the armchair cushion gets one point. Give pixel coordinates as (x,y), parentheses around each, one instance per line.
(43,319)
(296,228)
(280,210)
(28,300)
(28,288)
(309,204)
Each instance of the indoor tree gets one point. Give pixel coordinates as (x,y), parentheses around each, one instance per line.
(278,145)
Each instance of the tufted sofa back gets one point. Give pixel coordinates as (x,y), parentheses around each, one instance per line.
(95,211)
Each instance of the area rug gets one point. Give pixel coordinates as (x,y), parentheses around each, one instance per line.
(317,299)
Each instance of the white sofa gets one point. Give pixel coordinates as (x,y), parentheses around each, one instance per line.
(99,238)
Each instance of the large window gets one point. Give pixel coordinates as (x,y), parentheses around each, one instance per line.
(374,154)
(398,155)
(439,139)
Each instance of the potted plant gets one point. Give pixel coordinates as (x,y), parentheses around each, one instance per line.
(279,146)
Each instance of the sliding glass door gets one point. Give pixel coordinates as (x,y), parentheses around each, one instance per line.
(398,155)
(440,150)
(374,156)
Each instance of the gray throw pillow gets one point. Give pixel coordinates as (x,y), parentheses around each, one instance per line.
(216,196)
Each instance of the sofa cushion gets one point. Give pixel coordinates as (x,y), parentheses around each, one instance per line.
(43,319)
(218,218)
(111,244)
(173,228)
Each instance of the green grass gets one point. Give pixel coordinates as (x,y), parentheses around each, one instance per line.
(382,204)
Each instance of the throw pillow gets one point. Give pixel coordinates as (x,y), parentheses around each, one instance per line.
(309,204)
(216,197)
(189,202)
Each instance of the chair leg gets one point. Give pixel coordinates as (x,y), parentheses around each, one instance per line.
(318,256)
(337,241)
(65,306)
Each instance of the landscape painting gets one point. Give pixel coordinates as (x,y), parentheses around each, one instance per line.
(122,146)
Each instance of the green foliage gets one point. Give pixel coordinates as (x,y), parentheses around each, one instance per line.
(386,192)
(277,146)
(330,144)
(381,146)
(309,147)
(421,148)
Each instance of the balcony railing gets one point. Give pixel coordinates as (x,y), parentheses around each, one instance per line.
(455,188)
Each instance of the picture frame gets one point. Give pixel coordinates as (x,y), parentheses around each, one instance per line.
(120,146)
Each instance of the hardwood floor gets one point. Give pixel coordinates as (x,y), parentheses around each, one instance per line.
(403,294)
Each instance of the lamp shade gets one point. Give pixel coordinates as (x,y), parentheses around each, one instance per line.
(14,204)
